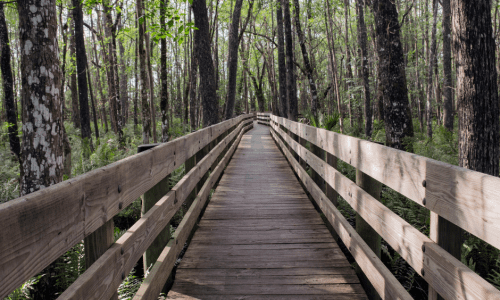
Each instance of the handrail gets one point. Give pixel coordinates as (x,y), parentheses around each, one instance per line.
(447,275)
(40,227)
(263,118)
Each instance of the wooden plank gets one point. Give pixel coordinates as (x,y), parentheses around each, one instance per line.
(323,271)
(41,226)
(152,285)
(266,280)
(290,289)
(384,282)
(178,296)
(464,197)
(404,238)
(104,277)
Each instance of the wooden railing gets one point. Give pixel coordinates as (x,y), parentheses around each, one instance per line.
(263,118)
(38,228)
(469,199)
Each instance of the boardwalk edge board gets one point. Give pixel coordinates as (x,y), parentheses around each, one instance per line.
(40,227)
(439,268)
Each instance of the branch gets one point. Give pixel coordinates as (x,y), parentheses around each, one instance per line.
(90,28)
(406,13)
(300,67)
(249,16)
(264,36)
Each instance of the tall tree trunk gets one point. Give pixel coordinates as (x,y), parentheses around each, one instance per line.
(193,79)
(151,83)
(123,81)
(290,75)
(8,83)
(92,101)
(144,84)
(81,68)
(136,75)
(348,73)
(206,65)
(430,69)
(42,147)
(307,64)
(114,82)
(398,123)
(281,62)
(448,84)
(163,75)
(362,38)
(232,61)
(75,109)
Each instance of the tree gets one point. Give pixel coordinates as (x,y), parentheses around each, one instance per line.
(447,90)
(232,62)
(398,122)
(8,85)
(290,69)
(73,85)
(42,147)
(163,74)
(307,64)
(281,62)
(144,82)
(432,61)
(81,68)
(365,73)
(205,63)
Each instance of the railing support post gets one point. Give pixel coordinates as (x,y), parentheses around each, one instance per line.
(449,237)
(369,235)
(149,199)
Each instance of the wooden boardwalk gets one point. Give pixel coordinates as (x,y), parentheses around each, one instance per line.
(260,236)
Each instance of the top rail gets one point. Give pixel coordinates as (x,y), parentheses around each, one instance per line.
(41,226)
(417,178)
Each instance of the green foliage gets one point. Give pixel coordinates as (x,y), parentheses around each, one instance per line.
(24,292)
(70,266)
(129,287)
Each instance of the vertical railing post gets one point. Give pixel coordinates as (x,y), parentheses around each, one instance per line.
(149,199)
(369,235)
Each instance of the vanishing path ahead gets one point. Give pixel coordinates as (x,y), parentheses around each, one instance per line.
(260,236)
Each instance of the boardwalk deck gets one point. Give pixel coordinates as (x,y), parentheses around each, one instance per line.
(260,236)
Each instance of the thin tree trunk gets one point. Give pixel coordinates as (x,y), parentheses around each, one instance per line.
(232,62)
(307,64)
(163,75)
(8,84)
(81,68)
(448,84)
(146,117)
(281,62)
(430,69)
(75,109)
(151,83)
(290,75)
(362,38)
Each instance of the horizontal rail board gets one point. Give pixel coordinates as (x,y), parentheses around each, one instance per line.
(384,282)
(159,273)
(464,197)
(40,227)
(404,238)
(103,278)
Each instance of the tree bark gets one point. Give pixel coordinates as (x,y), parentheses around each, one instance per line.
(205,62)
(75,109)
(8,84)
(430,69)
(123,82)
(144,84)
(281,62)
(448,85)
(232,61)
(163,75)
(81,68)
(362,39)
(307,64)
(398,123)
(42,147)
(290,74)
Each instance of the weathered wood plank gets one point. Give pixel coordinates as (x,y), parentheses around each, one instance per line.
(178,296)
